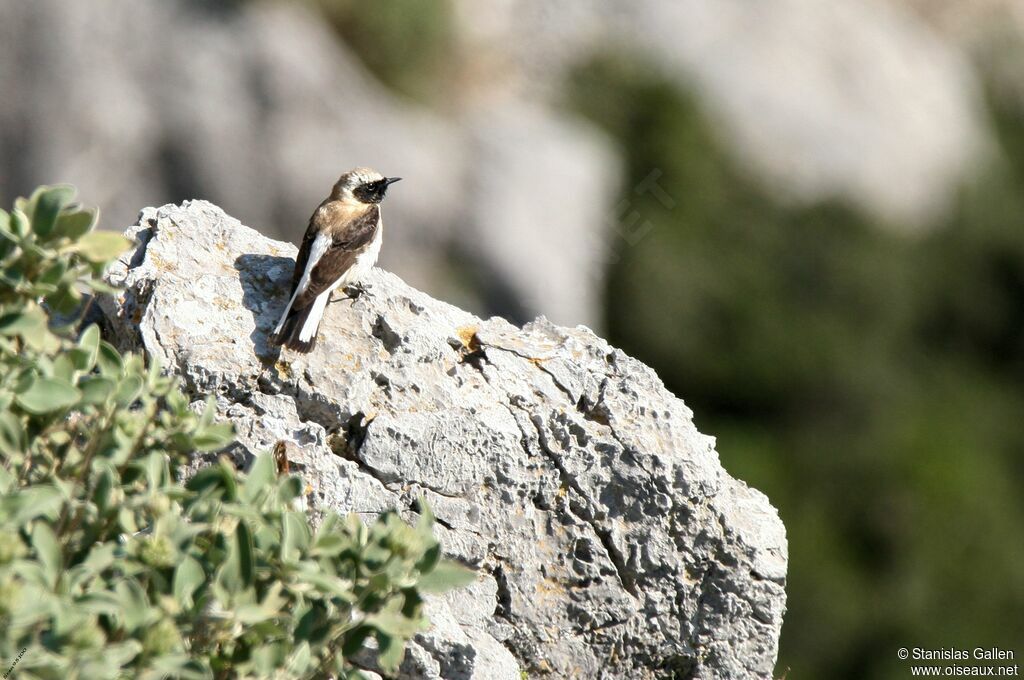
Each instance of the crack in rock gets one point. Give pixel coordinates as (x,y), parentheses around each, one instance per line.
(603,534)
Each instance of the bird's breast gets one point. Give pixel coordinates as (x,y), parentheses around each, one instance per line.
(367,258)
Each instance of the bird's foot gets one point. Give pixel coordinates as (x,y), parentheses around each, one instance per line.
(353,291)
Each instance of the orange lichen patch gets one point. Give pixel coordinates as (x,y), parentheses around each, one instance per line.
(467,335)
(160,263)
(549,588)
(350,362)
(284,369)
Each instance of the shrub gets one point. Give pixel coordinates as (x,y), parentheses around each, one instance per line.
(110,565)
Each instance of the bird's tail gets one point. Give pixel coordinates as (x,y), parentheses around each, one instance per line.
(298,330)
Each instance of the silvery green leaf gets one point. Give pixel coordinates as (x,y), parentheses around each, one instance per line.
(46,395)
(446,575)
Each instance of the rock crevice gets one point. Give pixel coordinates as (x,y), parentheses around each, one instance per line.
(610,541)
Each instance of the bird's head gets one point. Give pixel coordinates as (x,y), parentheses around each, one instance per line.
(362,185)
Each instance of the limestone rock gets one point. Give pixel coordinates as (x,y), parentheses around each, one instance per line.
(610,542)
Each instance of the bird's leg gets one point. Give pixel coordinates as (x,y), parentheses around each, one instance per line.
(353,291)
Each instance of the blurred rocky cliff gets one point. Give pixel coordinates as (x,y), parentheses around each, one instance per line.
(512,204)
(259,107)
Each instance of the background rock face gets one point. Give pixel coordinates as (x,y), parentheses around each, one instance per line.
(610,541)
(778,78)
(259,107)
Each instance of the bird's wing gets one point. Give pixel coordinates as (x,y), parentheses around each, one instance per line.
(331,253)
(302,259)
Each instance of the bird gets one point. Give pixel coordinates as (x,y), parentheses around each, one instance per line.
(340,246)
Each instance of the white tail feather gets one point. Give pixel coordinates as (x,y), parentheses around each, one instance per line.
(309,328)
(321,244)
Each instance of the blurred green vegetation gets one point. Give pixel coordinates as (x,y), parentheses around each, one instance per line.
(408,44)
(867,381)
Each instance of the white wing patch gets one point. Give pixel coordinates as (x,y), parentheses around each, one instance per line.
(321,244)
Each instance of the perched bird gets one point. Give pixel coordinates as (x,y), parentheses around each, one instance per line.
(341,244)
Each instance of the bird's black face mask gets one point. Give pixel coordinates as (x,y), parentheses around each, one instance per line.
(373,192)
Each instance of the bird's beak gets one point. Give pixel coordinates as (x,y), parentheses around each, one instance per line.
(390,180)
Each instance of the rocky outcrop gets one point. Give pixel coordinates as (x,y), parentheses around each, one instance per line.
(609,540)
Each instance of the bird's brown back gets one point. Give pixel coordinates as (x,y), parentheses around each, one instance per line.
(352,227)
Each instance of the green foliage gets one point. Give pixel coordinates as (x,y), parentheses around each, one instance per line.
(408,44)
(868,382)
(110,566)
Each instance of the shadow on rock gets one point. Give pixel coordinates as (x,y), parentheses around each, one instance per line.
(265,281)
